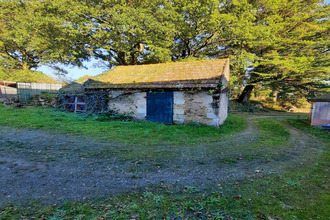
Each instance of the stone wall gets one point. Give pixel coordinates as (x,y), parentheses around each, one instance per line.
(128,102)
(200,107)
(223,107)
(188,107)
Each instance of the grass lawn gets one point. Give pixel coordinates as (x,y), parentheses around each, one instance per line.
(126,132)
(299,190)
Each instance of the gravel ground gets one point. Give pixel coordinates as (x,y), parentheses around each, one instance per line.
(52,167)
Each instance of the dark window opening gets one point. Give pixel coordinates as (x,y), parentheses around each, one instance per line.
(76,104)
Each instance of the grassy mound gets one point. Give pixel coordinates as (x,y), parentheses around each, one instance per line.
(25,76)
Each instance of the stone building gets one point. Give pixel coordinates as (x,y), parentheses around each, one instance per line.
(171,93)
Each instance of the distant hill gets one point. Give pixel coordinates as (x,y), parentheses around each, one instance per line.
(25,76)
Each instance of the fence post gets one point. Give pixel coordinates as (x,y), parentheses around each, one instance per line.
(4,86)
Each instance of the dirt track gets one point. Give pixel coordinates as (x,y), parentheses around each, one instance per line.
(54,167)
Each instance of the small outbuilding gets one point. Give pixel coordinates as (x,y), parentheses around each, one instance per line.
(8,90)
(171,93)
(320,110)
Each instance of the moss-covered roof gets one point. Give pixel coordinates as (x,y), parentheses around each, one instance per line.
(77,86)
(83,79)
(164,75)
(73,88)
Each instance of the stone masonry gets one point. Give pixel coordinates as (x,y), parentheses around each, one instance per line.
(188,107)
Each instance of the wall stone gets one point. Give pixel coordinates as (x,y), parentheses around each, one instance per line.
(199,107)
(223,107)
(178,108)
(128,102)
(188,107)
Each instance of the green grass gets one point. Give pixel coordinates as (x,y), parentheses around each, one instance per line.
(126,132)
(300,191)
(273,134)
(305,126)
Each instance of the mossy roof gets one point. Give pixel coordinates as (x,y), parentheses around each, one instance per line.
(164,75)
(76,86)
(83,79)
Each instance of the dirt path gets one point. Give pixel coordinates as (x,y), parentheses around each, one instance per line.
(53,167)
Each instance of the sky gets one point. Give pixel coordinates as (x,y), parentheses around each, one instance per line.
(75,73)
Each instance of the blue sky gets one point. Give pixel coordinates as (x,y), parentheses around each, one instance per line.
(75,73)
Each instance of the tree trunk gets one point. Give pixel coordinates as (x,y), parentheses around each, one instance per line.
(246,94)
(275,93)
(26,66)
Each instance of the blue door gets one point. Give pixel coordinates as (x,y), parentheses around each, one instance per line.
(160,107)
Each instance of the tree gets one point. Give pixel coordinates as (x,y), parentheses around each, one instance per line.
(279,44)
(282,45)
(34,33)
(129,32)
(197,30)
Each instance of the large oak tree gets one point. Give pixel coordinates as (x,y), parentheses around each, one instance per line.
(282,45)
(34,33)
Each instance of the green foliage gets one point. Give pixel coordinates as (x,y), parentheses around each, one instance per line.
(249,106)
(109,116)
(45,98)
(198,29)
(129,32)
(96,101)
(280,45)
(34,33)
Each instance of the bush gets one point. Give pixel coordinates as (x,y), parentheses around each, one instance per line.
(45,98)
(249,106)
(111,115)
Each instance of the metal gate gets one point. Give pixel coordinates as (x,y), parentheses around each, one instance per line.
(160,107)
(24,92)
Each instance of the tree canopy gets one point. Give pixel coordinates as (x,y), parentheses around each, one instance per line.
(282,45)
(34,33)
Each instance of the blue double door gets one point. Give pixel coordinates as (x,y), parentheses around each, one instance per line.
(160,107)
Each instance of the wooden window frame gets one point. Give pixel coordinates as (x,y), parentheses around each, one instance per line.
(75,104)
